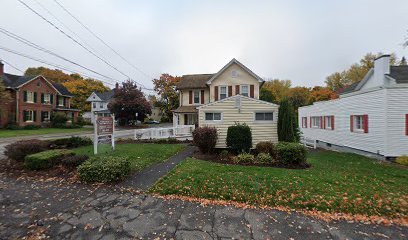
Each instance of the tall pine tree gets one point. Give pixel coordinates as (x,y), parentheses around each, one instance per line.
(287,124)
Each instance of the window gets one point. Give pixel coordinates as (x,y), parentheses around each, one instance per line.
(264,116)
(47,98)
(316,122)
(101,105)
(328,122)
(29,116)
(196,97)
(30,97)
(244,90)
(38,83)
(304,122)
(45,116)
(94,105)
(223,92)
(60,101)
(213,116)
(359,123)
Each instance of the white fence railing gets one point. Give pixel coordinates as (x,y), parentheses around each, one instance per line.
(308,142)
(157,133)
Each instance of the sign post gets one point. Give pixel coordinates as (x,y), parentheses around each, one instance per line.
(104,127)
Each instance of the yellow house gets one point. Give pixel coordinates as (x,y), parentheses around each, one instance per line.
(227,97)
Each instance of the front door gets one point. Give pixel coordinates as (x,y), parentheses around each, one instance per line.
(190,119)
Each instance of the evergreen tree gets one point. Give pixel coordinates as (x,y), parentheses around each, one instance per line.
(287,125)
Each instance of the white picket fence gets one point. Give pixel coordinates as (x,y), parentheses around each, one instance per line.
(157,133)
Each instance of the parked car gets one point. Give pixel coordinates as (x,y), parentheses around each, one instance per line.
(152,122)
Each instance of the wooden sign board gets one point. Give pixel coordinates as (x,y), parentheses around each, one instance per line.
(105,125)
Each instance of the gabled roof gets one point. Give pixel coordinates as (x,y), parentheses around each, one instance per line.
(62,90)
(105,96)
(236,96)
(399,73)
(194,81)
(239,64)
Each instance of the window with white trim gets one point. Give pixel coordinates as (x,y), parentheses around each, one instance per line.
(28,116)
(45,116)
(94,105)
(60,101)
(316,122)
(328,121)
(359,122)
(47,98)
(30,96)
(223,92)
(212,116)
(264,116)
(101,105)
(196,96)
(245,90)
(304,122)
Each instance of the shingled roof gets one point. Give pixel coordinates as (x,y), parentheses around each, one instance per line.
(105,96)
(399,73)
(194,81)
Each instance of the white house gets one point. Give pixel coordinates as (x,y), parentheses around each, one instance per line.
(99,103)
(370,117)
(231,95)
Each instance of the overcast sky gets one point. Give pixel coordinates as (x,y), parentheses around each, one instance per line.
(303,41)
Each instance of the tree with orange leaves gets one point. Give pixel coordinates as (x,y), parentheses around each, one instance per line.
(168,99)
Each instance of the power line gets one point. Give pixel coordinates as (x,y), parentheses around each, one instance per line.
(50,64)
(73,39)
(102,41)
(36,46)
(11,65)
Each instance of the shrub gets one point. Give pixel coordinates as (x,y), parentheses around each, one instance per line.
(59,119)
(72,142)
(81,121)
(74,160)
(104,169)
(205,138)
(266,147)
(19,150)
(239,138)
(244,158)
(46,159)
(291,153)
(264,158)
(287,125)
(403,160)
(31,127)
(12,126)
(224,155)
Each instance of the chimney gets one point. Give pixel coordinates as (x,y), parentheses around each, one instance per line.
(116,85)
(381,67)
(1,68)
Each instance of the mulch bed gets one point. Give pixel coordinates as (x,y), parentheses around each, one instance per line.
(213,157)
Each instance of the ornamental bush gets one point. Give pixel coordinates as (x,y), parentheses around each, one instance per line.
(205,138)
(264,158)
(403,160)
(291,153)
(59,119)
(74,160)
(104,169)
(72,142)
(224,155)
(19,150)
(244,158)
(266,147)
(239,138)
(46,159)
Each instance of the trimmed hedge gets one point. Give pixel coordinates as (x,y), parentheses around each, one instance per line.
(244,158)
(239,138)
(74,161)
(19,150)
(205,138)
(46,159)
(264,158)
(291,153)
(72,142)
(266,147)
(104,169)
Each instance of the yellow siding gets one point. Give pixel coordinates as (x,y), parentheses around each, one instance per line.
(184,96)
(226,79)
(261,131)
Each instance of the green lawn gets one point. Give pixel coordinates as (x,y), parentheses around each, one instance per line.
(140,155)
(336,182)
(4,133)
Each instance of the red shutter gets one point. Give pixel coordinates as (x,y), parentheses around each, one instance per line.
(216,93)
(190,97)
(324,122)
(406,124)
(202,96)
(306,122)
(303,124)
(236,89)
(252,91)
(229,91)
(311,122)
(332,122)
(365,119)
(351,123)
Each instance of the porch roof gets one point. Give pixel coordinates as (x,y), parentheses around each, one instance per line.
(186,109)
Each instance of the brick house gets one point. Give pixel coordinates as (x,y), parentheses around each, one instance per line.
(33,100)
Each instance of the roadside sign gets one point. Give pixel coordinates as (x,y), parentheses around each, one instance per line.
(105,125)
(104,131)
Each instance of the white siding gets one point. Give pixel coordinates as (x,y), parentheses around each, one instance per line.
(261,131)
(370,103)
(397,141)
